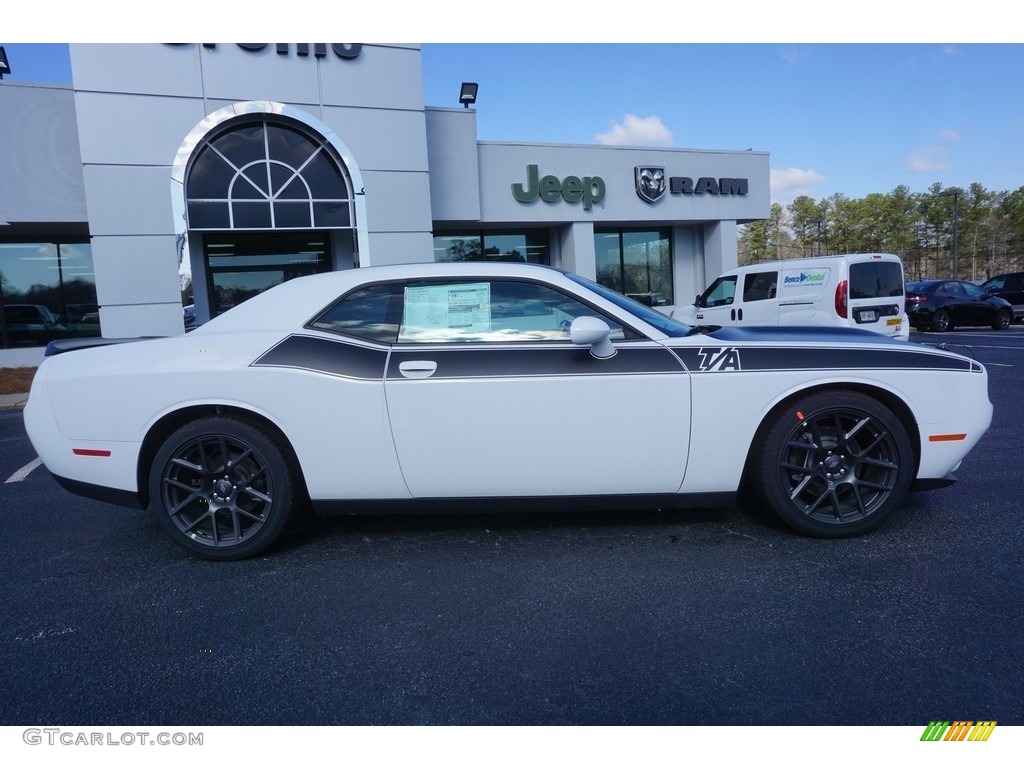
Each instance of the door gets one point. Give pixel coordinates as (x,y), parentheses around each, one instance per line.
(487,396)
(718,305)
(759,305)
(979,304)
(876,296)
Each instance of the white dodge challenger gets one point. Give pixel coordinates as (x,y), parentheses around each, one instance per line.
(451,385)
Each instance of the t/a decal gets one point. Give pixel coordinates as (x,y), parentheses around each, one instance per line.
(719,359)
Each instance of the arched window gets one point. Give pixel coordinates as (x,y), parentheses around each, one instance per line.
(267,175)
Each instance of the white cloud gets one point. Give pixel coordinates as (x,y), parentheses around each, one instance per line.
(949,135)
(787,184)
(637,131)
(793,54)
(927,160)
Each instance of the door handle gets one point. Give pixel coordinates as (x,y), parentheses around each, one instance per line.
(740,311)
(732,315)
(417,369)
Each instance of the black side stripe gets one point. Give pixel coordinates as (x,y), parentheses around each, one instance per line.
(337,358)
(788,358)
(532,362)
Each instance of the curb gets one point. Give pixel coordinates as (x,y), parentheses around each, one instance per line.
(13,401)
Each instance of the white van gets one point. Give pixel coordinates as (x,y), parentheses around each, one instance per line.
(858,290)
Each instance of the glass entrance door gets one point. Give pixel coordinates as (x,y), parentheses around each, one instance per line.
(241,265)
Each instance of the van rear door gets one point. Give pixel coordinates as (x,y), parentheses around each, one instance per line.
(875,297)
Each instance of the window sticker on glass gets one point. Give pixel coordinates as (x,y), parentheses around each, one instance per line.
(446,312)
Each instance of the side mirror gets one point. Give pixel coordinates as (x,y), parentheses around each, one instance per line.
(595,333)
(696,301)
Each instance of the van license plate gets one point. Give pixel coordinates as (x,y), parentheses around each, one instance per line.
(893,321)
(868,316)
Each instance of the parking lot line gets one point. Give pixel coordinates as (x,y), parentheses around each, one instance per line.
(24,472)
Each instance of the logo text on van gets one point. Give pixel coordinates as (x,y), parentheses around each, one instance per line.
(804,278)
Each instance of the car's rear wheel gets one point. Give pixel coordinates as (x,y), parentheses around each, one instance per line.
(222,488)
(941,321)
(834,463)
(1003,319)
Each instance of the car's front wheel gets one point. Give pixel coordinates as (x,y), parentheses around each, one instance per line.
(1003,319)
(833,463)
(222,488)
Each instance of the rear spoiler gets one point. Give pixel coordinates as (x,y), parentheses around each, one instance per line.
(60,346)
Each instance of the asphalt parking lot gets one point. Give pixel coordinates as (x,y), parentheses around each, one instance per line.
(701,618)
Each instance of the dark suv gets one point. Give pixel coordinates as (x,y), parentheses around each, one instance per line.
(1009,287)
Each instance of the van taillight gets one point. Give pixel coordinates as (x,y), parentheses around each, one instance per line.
(841,298)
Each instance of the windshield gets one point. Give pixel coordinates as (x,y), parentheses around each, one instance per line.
(653,317)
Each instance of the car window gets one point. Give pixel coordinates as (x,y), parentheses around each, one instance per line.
(719,293)
(875,279)
(373,313)
(952,289)
(491,311)
(758,286)
(974,291)
(995,284)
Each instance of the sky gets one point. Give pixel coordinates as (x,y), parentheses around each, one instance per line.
(899,106)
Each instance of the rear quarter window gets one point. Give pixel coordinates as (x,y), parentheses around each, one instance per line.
(875,280)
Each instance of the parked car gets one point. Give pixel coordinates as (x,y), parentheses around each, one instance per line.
(475,385)
(854,290)
(79,313)
(941,305)
(30,325)
(1009,287)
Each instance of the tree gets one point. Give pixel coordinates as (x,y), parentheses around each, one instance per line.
(918,227)
(808,222)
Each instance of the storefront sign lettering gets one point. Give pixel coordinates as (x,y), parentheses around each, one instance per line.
(650,184)
(319,50)
(550,189)
(706,185)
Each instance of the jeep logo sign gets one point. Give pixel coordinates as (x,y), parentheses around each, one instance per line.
(571,189)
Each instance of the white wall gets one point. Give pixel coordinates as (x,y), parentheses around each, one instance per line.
(136,104)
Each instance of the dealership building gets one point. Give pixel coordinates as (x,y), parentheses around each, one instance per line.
(171,174)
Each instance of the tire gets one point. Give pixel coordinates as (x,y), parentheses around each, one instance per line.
(833,464)
(1003,319)
(941,321)
(217,509)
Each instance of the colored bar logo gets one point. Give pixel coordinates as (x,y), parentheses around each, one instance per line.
(958,730)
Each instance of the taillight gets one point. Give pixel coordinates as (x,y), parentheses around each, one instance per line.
(913,298)
(841,298)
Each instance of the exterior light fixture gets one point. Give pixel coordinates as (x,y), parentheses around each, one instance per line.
(955,193)
(467,95)
(5,68)
(819,222)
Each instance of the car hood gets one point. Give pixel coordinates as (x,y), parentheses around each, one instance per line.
(791,333)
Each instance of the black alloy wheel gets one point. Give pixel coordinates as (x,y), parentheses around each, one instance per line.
(834,463)
(1003,319)
(941,321)
(222,488)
